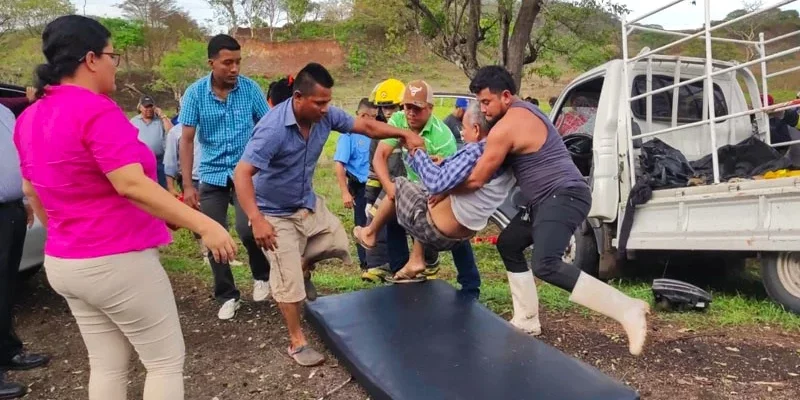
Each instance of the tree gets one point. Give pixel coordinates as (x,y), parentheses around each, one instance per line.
(31,15)
(296,10)
(164,24)
(180,67)
(125,34)
(456,29)
(748,28)
(227,13)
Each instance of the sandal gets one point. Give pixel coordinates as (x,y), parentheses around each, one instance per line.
(306,356)
(357,235)
(403,277)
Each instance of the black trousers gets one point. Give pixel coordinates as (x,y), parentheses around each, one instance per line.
(214,201)
(13,219)
(548,226)
(357,190)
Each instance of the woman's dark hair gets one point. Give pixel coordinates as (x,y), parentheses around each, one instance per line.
(495,78)
(279,90)
(65,42)
(222,42)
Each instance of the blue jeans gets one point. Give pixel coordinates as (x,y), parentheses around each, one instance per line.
(468,276)
(161,175)
(357,189)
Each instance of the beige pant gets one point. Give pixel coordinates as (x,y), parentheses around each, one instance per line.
(303,238)
(117,301)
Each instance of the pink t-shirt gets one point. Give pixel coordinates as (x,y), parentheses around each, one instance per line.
(67,142)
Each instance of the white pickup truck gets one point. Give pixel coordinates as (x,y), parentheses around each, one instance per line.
(600,115)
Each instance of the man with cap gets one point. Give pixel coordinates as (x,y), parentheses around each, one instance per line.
(417,116)
(153,126)
(453,121)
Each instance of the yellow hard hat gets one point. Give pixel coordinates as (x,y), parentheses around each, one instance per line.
(388,92)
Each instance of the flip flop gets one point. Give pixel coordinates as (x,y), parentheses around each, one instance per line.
(357,235)
(402,277)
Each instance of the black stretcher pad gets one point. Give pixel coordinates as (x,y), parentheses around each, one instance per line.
(426,341)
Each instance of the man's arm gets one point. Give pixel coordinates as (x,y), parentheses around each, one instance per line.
(451,172)
(498,145)
(34,202)
(171,161)
(343,122)
(187,153)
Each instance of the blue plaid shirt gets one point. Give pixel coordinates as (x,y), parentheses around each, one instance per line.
(451,172)
(224,127)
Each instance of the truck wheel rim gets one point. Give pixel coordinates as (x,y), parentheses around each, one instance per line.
(569,253)
(789,272)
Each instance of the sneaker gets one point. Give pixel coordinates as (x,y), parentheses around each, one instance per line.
(228,309)
(260,290)
(376,275)
(431,272)
(311,290)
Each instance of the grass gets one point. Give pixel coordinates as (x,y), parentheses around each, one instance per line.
(742,303)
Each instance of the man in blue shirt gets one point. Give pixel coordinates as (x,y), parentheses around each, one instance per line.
(274,187)
(222,108)
(352,170)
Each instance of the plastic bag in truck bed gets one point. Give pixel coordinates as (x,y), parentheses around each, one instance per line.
(662,166)
(746,159)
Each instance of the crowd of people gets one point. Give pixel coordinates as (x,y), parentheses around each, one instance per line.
(84,169)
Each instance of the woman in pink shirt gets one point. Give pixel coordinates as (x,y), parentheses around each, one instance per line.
(92,183)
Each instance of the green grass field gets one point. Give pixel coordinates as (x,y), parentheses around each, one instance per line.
(744,305)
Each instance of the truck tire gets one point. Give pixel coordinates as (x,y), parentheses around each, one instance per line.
(582,251)
(780,273)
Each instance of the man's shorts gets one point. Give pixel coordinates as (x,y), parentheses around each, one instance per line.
(411,204)
(304,237)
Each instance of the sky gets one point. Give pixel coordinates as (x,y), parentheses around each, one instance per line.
(680,16)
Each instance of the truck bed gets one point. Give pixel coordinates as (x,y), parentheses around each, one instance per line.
(754,215)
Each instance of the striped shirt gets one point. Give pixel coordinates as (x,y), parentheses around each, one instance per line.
(223,127)
(10,176)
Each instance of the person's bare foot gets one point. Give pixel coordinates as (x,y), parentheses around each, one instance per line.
(365,237)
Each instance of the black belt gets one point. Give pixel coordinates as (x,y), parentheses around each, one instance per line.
(13,203)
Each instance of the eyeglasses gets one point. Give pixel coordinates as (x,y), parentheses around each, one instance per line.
(115,57)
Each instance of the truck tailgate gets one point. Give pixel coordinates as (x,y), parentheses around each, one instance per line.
(755,215)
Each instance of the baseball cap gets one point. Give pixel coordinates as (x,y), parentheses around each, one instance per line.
(418,93)
(461,102)
(147,101)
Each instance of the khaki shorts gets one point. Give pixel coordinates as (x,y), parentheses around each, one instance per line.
(304,237)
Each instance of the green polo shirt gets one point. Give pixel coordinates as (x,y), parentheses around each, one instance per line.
(439,140)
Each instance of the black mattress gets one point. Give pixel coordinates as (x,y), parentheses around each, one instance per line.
(427,341)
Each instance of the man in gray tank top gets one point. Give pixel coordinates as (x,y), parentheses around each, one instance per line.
(558,200)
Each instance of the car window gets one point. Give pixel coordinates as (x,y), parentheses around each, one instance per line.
(690,100)
(578,114)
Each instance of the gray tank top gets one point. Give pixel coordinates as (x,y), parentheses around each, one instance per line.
(542,173)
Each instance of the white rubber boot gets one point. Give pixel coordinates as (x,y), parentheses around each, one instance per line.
(631,313)
(525,301)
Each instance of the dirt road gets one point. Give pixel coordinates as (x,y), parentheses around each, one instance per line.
(246,358)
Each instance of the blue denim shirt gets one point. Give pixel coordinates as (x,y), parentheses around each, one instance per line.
(223,127)
(285,161)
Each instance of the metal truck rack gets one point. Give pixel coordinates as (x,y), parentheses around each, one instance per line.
(760,106)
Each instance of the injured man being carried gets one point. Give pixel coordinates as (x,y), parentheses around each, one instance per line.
(455,217)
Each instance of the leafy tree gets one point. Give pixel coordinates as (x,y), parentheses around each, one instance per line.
(31,15)
(296,10)
(164,25)
(125,34)
(456,29)
(181,67)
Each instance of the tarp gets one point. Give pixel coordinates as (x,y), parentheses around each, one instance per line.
(426,341)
